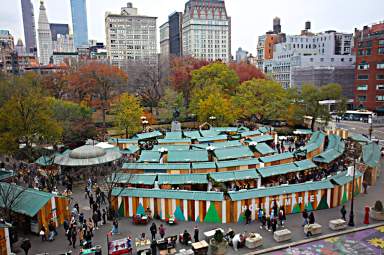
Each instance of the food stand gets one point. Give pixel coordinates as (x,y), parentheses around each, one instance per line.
(119,246)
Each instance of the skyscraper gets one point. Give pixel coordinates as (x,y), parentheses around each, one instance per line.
(79,22)
(29,26)
(45,36)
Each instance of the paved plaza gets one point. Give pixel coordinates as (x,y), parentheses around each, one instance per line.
(126,228)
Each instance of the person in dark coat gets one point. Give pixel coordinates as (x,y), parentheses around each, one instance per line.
(26,245)
(311,218)
(154,247)
(104,217)
(343,212)
(305,217)
(73,237)
(247,214)
(196,234)
(153,230)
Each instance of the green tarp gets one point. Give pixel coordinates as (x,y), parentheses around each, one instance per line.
(250,133)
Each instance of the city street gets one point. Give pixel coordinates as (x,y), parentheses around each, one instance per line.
(126,228)
(361,128)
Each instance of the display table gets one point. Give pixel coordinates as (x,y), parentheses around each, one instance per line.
(209,234)
(282,235)
(185,252)
(337,224)
(142,246)
(118,247)
(314,229)
(200,248)
(254,240)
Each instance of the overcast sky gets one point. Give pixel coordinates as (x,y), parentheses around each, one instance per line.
(250,18)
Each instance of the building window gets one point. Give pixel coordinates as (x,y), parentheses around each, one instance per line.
(363,77)
(380,87)
(362,98)
(380,77)
(368,52)
(381,42)
(332,60)
(311,59)
(380,51)
(342,59)
(362,87)
(380,66)
(321,59)
(363,66)
(360,53)
(380,98)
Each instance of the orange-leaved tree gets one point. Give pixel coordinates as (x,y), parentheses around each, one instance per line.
(246,72)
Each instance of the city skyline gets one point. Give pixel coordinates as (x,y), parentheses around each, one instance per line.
(329,15)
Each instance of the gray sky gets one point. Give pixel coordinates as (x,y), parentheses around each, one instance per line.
(250,18)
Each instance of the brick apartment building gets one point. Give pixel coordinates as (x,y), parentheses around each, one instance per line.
(369,69)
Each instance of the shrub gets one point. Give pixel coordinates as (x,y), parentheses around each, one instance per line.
(378,206)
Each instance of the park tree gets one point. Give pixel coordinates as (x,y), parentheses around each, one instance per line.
(26,118)
(262,100)
(181,74)
(213,101)
(218,74)
(100,80)
(246,72)
(56,84)
(127,112)
(170,101)
(10,198)
(75,119)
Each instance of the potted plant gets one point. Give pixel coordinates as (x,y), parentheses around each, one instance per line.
(218,243)
(377,211)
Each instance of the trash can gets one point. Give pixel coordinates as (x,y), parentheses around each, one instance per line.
(98,250)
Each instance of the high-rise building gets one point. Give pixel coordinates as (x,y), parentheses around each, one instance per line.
(79,22)
(45,36)
(29,26)
(369,70)
(206,30)
(131,42)
(175,33)
(61,39)
(58,29)
(276,25)
(241,55)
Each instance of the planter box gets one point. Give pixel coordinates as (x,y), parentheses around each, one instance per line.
(282,235)
(337,224)
(315,229)
(253,242)
(376,215)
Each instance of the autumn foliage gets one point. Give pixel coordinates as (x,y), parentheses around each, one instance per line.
(246,72)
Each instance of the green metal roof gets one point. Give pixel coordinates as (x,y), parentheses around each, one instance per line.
(45,160)
(171,194)
(172,147)
(237,162)
(260,139)
(335,149)
(4,174)
(209,133)
(286,168)
(131,149)
(149,135)
(27,201)
(199,146)
(123,140)
(371,154)
(188,156)
(149,166)
(181,140)
(177,179)
(206,139)
(204,165)
(342,178)
(192,134)
(358,138)
(225,129)
(173,135)
(221,145)
(250,133)
(316,140)
(233,153)
(264,149)
(279,190)
(276,157)
(264,129)
(149,156)
(305,164)
(146,179)
(239,175)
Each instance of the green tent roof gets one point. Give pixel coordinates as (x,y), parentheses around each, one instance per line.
(4,174)
(276,157)
(28,201)
(342,178)
(173,135)
(131,149)
(250,133)
(335,149)
(171,147)
(177,179)
(316,140)
(209,133)
(237,162)
(204,165)
(146,179)
(286,168)
(206,139)
(279,190)
(45,160)
(171,194)
(234,175)
(264,129)
(371,154)
(149,166)
(359,138)
(188,156)
(221,145)
(225,129)
(180,140)
(260,139)
(123,140)
(264,149)
(149,135)
(192,134)
(149,156)
(233,153)
(305,164)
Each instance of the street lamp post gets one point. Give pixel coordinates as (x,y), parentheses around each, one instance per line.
(351,215)
(370,126)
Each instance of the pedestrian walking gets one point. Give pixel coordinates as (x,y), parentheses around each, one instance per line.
(115,227)
(343,212)
(274,224)
(69,236)
(247,214)
(103,216)
(153,230)
(43,233)
(263,221)
(74,237)
(196,234)
(305,217)
(365,186)
(91,201)
(95,220)
(311,218)
(162,231)
(153,247)
(269,223)
(260,214)
(26,245)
